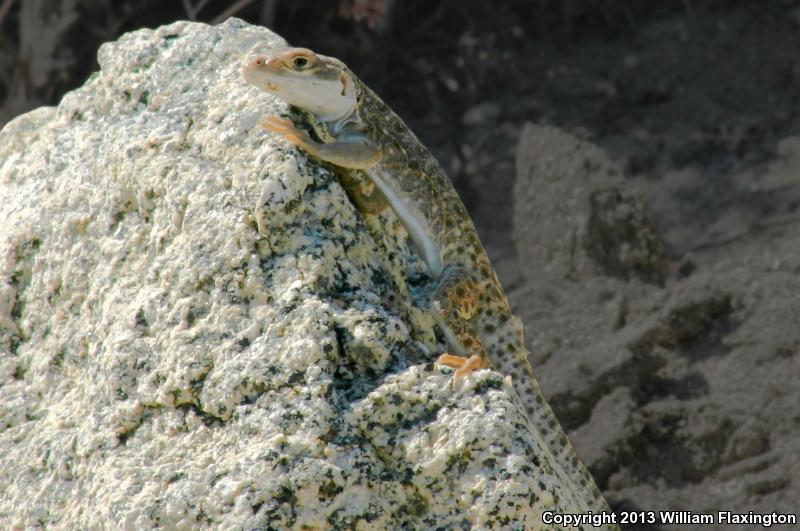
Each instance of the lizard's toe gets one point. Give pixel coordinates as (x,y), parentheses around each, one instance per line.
(454,362)
(295,140)
(277,125)
(463,366)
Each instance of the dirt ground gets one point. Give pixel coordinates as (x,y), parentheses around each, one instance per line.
(647,227)
(655,256)
(675,378)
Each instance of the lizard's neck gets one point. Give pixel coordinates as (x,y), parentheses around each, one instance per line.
(335,122)
(417,227)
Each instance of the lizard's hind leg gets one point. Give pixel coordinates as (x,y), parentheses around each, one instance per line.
(455,305)
(365,195)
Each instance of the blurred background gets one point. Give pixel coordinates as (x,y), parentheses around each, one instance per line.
(693,106)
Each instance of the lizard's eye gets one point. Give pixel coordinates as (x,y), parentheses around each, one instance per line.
(299,62)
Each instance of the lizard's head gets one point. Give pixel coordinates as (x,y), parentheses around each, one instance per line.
(321,85)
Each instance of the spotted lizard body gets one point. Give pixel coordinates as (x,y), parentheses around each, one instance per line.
(361,133)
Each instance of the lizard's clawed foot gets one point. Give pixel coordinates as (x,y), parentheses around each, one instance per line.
(288,131)
(462,365)
(276,124)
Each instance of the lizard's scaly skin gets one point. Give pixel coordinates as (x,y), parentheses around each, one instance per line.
(469,303)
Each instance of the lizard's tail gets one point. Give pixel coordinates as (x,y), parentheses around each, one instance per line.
(549,428)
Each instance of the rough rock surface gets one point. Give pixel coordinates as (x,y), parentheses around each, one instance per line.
(681,396)
(197,329)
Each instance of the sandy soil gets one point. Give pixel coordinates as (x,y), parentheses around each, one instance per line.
(653,252)
(677,380)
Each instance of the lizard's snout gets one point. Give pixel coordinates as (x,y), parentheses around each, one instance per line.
(252,63)
(256,69)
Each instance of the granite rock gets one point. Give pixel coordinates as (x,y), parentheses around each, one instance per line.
(197,328)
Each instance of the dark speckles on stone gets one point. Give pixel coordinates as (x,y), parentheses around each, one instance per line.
(285,495)
(329,490)
(270,455)
(140,319)
(407,476)
(459,462)
(395,399)
(292,416)
(256,506)
(489,383)
(417,505)
(296,377)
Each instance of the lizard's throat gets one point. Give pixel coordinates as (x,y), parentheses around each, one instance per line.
(337,119)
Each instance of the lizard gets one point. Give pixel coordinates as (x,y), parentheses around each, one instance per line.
(364,138)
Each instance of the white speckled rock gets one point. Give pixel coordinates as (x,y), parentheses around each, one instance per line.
(197,329)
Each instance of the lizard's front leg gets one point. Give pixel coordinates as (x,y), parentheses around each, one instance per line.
(353,151)
(348,154)
(455,305)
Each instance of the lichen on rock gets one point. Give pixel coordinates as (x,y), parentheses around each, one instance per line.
(197,328)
